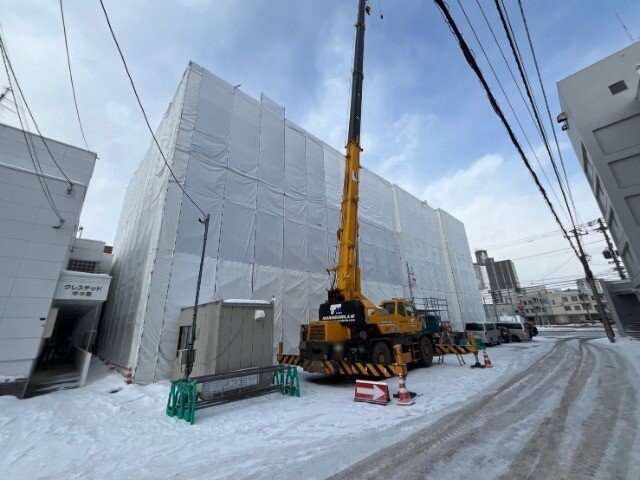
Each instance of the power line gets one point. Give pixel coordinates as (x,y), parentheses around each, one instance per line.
(518,241)
(502,12)
(32,156)
(474,66)
(73,87)
(506,62)
(557,268)
(546,103)
(507,98)
(515,50)
(26,105)
(579,254)
(144,113)
(533,238)
(554,251)
(526,104)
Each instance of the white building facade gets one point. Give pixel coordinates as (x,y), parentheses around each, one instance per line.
(273,192)
(38,293)
(601,114)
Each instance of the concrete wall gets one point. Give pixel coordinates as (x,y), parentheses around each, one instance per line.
(32,251)
(603,118)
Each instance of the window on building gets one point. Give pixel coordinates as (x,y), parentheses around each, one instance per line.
(544,309)
(600,194)
(83,266)
(565,299)
(568,309)
(591,296)
(577,307)
(588,306)
(586,163)
(574,299)
(618,87)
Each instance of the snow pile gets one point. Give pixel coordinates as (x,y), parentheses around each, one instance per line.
(112,430)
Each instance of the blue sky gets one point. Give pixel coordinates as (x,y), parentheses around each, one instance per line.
(427,125)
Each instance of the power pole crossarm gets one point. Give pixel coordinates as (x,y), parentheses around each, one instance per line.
(614,254)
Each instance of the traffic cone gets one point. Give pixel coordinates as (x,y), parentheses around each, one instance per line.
(404,398)
(487,361)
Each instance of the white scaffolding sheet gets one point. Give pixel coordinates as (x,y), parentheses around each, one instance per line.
(273,192)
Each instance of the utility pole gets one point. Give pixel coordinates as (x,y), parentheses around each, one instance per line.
(614,253)
(592,283)
(194,321)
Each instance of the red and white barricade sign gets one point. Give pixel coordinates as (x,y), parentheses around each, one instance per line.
(372,392)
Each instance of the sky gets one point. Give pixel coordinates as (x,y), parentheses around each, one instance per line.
(427,125)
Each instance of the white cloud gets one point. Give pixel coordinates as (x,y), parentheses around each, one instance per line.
(498,202)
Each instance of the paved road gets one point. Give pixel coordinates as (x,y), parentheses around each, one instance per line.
(570,415)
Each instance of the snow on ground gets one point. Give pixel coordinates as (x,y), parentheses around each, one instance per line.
(112,430)
(571,328)
(628,347)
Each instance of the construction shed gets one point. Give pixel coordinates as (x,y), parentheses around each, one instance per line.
(273,191)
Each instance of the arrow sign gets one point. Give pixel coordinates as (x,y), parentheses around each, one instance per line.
(371,392)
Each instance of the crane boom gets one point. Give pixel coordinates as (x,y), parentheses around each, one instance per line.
(350,328)
(347,270)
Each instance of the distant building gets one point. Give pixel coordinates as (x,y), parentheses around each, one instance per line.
(52,284)
(553,306)
(499,278)
(501,274)
(601,115)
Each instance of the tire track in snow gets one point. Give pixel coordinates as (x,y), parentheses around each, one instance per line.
(539,458)
(441,441)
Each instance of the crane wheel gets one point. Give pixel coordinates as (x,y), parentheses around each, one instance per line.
(380,353)
(426,351)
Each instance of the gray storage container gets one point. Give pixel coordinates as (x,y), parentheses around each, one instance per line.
(230,335)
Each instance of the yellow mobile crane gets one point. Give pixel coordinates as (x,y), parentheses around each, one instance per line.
(353,335)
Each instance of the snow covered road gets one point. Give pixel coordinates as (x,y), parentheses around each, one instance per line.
(490,422)
(573,414)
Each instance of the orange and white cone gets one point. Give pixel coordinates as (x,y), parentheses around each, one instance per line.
(404,398)
(487,361)
(128,376)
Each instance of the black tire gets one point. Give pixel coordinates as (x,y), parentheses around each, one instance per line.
(426,351)
(499,341)
(515,338)
(380,353)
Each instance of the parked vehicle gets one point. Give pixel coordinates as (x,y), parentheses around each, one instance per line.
(487,332)
(517,329)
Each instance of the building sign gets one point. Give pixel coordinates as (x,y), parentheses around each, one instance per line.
(82,290)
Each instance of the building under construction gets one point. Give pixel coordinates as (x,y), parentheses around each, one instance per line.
(273,191)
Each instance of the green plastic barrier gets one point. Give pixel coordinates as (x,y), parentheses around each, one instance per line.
(182,400)
(288,381)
